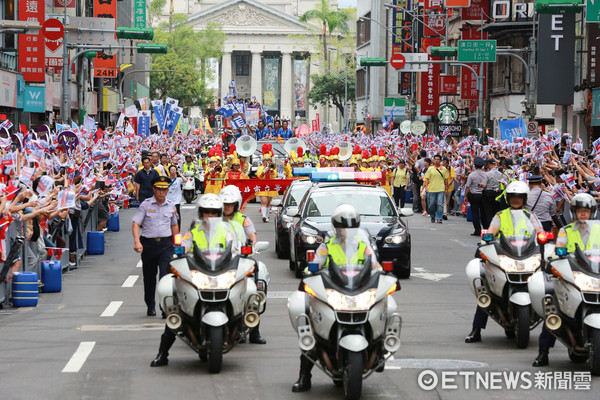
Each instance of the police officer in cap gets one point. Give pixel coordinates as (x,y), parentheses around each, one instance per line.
(491,191)
(476,183)
(540,202)
(157,217)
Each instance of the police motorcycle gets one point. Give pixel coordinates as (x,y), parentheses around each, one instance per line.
(345,318)
(498,279)
(567,296)
(189,186)
(211,299)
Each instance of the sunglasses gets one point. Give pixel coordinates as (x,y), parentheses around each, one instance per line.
(211,212)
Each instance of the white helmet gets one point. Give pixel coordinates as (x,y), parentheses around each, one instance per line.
(210,201)
(231,194)
(517,189)
(583,200)
(345,216)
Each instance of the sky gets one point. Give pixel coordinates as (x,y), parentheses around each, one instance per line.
(346,3)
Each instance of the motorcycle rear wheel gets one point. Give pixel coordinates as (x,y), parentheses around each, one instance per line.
(353,375)
(577,358)
(522,326)
(215,350)
(594,352)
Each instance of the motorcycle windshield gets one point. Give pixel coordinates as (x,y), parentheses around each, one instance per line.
(589,256)
(349,257)
(523,242)
(214,244)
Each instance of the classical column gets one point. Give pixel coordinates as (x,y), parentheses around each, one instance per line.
(256,79)
(287,82)
(225,73)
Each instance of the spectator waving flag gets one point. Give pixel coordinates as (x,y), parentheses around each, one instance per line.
(238,122)
(66,199)
(569,179)
(45,184)
(26,176)
(446,133)
(6,124)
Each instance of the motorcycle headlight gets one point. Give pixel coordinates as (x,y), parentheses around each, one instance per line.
(586,282)
(223,281)
(528,265)
(342,302)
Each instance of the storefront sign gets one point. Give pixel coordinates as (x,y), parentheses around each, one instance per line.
(31,47)
(429,94)
(105,65)
(435,20)
(448,84)
(35,99)
(595,107)
(8,89)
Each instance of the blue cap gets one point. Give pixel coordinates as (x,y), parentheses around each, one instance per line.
(479,162)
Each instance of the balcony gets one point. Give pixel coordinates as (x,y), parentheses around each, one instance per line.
(8,60)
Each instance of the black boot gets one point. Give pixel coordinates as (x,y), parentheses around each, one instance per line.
(303,382)
(542,358)
(474,336)
(166,341)
(255,337)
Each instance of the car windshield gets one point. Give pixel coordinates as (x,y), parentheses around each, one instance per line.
(295,195)
(366,202)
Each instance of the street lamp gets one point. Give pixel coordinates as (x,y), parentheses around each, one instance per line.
(346,86)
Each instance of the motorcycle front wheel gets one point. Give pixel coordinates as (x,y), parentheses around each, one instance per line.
(594,352)
(215,349)
(522,326)
(353,375)
(188,197)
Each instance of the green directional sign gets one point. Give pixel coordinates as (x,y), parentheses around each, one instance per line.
(375,62)
(592,12)
(477,50)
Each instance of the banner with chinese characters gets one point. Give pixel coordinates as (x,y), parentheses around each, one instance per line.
(429,93)
(401,43)
(448,84)
(468,81)
(249,187)
(435,20)
(105,65)
(139,13)
(31,47)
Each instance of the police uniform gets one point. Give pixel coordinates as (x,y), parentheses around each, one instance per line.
(491,191)
(157,222)
(331,249)
(475,195)
(541,203)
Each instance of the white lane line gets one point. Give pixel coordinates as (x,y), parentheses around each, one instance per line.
(79,357)
(112,309)
(139,264)
(130,281)
(392,366)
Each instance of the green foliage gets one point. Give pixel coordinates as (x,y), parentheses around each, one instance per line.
(155,9)
(329,88)
(187,56)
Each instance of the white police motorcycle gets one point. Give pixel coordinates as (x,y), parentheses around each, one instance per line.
(567,297)
(189,186)
(214,295)
(498,279)
(345,318)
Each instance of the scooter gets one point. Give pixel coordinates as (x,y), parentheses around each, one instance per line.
(346,320)
(189,186)
(211,299)
(567,297)
(498,279)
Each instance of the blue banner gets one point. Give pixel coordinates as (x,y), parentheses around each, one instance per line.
(157,106)
(143,125)
(512,128)
(173,119)
(169,104)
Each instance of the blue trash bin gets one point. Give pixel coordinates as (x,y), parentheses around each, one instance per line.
(95,243)
(51,276)
(25,289)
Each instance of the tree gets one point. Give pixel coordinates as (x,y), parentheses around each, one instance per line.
(330,20)
(188,55)
(330,88)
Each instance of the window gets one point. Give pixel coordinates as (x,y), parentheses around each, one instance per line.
(363,30)
(242,65)
(360,83)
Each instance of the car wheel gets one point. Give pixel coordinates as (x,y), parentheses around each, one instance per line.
(404,273)
(298,270)
(281,254)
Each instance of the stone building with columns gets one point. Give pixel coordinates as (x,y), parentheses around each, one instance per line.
(267,51)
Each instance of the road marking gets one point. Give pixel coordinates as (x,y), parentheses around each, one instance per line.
(391,359)
(112,309)
(141,327)
(278,295)
(79,357)
(423,273)
(468,245)
(139,264)
(130,281)
(441,364)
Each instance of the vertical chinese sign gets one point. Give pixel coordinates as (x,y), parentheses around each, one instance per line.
(430,82)
(105,65)
(139,14)
(401,42)
(468,81)
(31,47)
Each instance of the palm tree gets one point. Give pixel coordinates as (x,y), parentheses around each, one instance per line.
(331,21)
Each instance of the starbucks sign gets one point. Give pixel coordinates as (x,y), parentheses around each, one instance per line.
(448,113)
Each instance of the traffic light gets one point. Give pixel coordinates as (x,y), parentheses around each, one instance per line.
(558,6)
(373,62)
(444,51)
(135,33)
(151,48)
(487,131)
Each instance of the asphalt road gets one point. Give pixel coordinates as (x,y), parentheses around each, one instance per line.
(93,340)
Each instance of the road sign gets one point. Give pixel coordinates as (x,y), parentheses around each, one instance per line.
(86,36)
(477,51)
(53,29)
(373,62)
(397,61)
(414,58)
(592,12)
(532,128)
